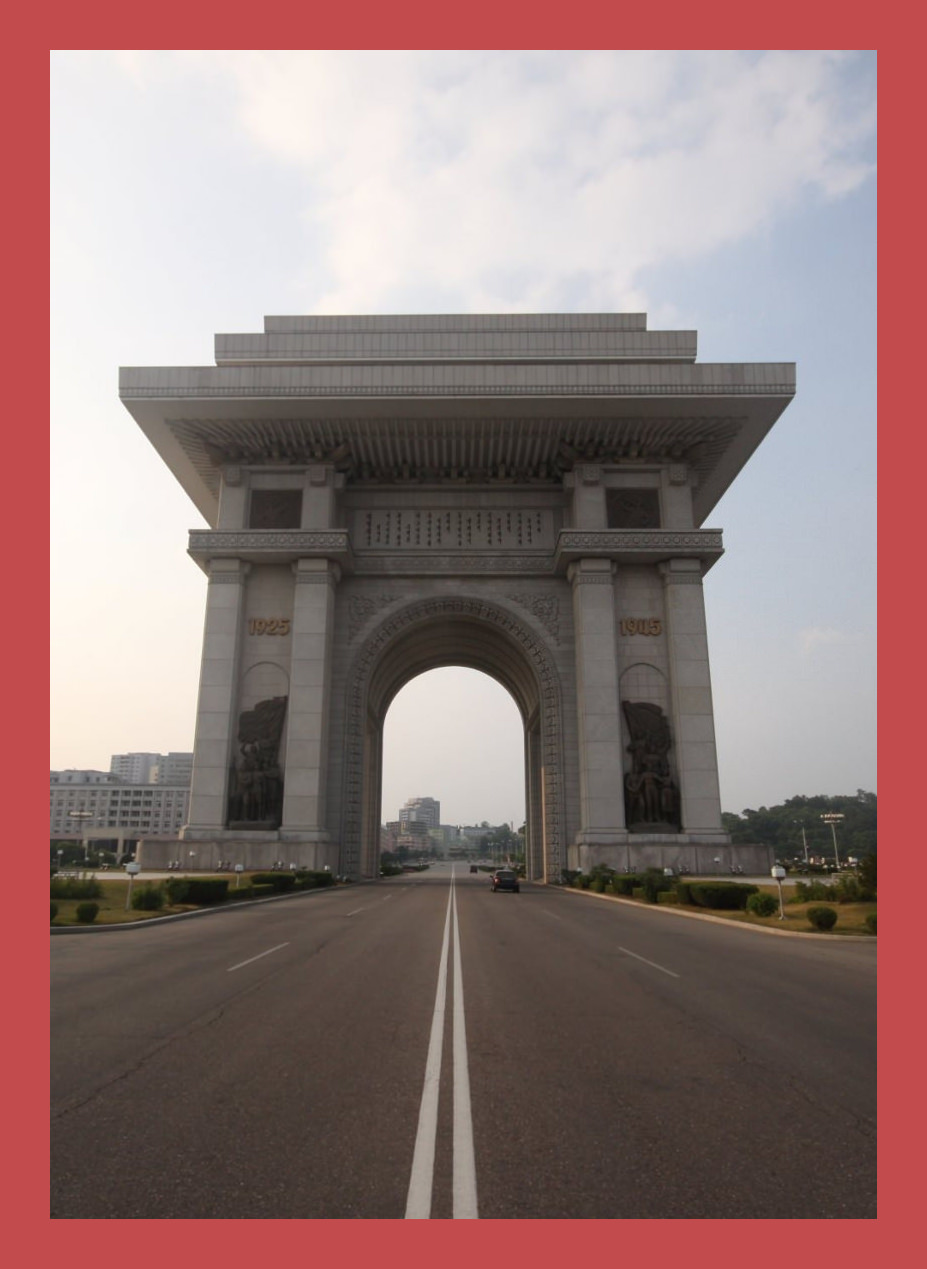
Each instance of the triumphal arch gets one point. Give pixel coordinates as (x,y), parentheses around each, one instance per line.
(521,494)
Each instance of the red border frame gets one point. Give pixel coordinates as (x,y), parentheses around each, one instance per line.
(517,26)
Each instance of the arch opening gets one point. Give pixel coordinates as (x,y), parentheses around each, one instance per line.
(477,636)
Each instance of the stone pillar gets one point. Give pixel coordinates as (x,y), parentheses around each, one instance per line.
(308,706)
(601,787)
(216,711)
(692,722)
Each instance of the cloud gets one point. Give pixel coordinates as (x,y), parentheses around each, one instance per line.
(815,637)
(510,180)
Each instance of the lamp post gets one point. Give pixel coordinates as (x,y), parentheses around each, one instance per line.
(777,873)
(82,816)
(804,840)
(833,820)
(133,870)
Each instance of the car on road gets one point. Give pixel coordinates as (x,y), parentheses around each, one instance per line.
(505,879)
(473,868)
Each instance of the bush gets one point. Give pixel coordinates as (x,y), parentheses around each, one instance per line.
(762,904)
(54,911)
(822,918)
(667,896)
(653,883)
(148,899)
(279,880)
(684,891)
(311,879)
(197,890)
(597,884)
(75,888)
(725,895)
(86,913)
(871,922)
(622,883)
(868,874)
(637,892)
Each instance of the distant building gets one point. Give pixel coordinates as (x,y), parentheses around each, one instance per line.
(91,802)
(425,811)
(153,768)
(173,768)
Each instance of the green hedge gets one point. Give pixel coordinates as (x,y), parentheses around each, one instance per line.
(200,890)
(278,880)
(724,895)
(309,879)
(86,913)
(667,896)
(148,898)
(623,883)
(75,888)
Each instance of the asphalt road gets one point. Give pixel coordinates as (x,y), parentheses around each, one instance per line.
(296,1059)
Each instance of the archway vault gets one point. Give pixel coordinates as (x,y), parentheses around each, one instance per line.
(478,635)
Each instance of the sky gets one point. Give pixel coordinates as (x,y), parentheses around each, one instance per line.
(732,193)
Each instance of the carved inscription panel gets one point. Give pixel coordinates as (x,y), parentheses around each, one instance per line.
(414,529)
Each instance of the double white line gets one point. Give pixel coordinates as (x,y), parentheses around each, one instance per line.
(418,1202)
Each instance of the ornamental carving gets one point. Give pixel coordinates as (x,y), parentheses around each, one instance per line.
(546,608)
(362,607)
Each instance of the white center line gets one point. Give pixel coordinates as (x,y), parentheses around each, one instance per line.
(251,959)
(464,1158)
(355,912)
(646,962)
(418,1200)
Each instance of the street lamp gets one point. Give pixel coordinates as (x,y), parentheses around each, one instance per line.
(833,820)
(804,840)
(83,816)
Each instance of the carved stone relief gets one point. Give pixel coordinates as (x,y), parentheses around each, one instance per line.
(256,781)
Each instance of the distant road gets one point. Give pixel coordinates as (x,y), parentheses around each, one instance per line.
(573,1059)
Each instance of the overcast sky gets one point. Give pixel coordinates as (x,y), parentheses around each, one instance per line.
(730,193)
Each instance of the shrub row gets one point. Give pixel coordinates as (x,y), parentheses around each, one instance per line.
(75,888)
(724,895)
(196,889)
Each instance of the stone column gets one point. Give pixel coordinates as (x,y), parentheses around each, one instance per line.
(692,720)
(601,783)
(308,706)
(216,711)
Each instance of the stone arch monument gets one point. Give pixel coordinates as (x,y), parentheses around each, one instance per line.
(521,494)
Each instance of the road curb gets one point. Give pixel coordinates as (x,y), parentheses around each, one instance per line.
(671,910)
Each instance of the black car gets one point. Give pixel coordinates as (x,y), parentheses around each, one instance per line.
(473,868)
(505,879)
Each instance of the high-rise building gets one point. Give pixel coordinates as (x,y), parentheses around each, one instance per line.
(153,768)
(425,811)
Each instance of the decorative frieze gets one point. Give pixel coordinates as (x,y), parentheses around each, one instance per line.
(546,608)
(361,608)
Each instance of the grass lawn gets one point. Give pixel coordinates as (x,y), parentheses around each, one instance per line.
(113,904)
(851,917)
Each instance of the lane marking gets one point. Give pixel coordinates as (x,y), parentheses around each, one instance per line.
(252,959)
(418,1200)
(551,914)
(646,962)
(464,1159)
(355,912)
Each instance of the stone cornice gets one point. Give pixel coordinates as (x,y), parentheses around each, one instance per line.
(632,546)
(270,545)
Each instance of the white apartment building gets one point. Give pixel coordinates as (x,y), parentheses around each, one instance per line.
(93,801)
(152,768)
